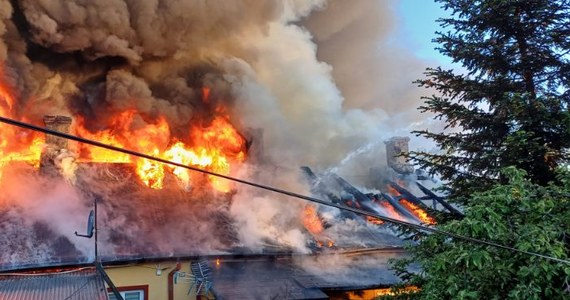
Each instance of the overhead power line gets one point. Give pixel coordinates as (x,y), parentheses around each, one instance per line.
(274,189)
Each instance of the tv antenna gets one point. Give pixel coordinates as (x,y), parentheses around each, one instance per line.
(92,226)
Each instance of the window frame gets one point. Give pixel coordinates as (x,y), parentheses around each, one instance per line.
(132,288)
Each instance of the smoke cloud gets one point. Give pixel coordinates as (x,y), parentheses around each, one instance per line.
(320,79)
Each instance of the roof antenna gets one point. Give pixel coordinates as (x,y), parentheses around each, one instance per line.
(92,225)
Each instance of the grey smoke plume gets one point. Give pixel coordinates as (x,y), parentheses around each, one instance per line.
(317,77)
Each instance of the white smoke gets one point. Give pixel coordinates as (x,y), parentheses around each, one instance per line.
(41,212)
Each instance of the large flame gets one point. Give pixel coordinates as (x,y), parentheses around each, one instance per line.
(213,148)
(16,145)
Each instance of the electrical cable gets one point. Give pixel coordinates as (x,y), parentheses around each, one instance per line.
(273,189)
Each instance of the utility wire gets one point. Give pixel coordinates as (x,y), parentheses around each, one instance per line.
(273,189)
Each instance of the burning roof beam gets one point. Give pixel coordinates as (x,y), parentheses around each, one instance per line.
(347,187)
(408,195)
(365,203)
(399,207)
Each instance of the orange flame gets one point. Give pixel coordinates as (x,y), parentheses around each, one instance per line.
(311,220)
(418,212)
(393,191)
(375,293)
(391,211)
(214,147)
(16,145)
(217,146)
(151,172)
(374,221)
(392,292)
(221,143)
(314,225)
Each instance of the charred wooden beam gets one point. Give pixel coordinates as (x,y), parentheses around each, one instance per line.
(318,186)
(408,195)
(363,201)
(399,208)
(350,189)
(440,200)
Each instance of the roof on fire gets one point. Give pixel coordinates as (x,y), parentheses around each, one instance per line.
(135,224)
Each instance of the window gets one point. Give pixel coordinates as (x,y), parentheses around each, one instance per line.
(137,292)
(130,295)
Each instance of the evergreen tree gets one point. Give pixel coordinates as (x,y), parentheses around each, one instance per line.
(510,107)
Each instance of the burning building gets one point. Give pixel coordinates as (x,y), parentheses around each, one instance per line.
(234,89)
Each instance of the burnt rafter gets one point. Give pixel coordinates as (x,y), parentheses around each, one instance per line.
(318,186)
(408,195)
(399,208)
(440,200)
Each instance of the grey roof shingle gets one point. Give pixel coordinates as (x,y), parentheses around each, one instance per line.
(79,285)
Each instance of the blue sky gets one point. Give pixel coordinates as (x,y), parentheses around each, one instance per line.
(418,26)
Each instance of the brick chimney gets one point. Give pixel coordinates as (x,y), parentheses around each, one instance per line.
(395,147)
(54,146)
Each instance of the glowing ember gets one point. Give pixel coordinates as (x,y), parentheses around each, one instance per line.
(206,94)
(374,221)
(393,191)
(418,212)
(376,293)
(320,244)
(392,292)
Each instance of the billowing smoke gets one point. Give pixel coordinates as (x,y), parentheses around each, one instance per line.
(313,76)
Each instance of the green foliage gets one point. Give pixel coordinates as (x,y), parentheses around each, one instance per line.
(520,214)
(510,108)
(503,154)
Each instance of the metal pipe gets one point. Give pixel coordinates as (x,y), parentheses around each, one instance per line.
(110,283)
(171,280)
